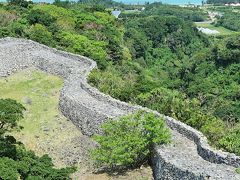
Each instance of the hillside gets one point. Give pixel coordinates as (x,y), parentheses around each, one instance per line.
(157,59)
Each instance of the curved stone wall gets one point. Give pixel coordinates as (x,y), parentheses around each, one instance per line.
(88,108)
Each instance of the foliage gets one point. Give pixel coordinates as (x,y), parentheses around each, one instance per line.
(177,105)
(229,20)
(82,45)
(111,82)
(101,3)
(39,16)
(27,166)
(40,33)
(231,141)
(10,113)
(193,14)
(7,17)
(238,170)
(21,3)
(127,142)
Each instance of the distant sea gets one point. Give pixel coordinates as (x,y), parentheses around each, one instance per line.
(176,2)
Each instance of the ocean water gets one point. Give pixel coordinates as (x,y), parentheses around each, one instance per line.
(177,2)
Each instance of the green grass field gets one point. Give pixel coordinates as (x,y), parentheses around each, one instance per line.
(38,92)
(221,30)
(45,130)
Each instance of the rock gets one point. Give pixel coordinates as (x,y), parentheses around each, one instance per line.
(27,100)
(45,129)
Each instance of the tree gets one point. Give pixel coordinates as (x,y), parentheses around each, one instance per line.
(22,3)
(128,141)
(41,34)
(41,17)
(10,113)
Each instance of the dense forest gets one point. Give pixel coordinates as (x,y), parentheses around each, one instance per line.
(157,59)
(229,20)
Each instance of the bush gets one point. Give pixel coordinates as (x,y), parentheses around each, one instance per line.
(82,45)
(238,170)
(231,141)
(10,113)
(112,83)
(40,34)
(22,3)
(127,142)
(7,17)
(38,16)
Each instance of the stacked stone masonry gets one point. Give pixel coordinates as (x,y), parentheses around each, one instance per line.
(188,156)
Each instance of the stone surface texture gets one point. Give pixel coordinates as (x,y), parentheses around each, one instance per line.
(189,156)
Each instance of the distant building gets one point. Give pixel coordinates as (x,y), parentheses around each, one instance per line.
(232,4)
(116,13)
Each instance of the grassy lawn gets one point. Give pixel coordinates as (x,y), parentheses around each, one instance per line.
(45,130)
(38,92)
(221,30)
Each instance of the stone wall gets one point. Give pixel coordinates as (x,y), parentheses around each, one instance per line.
(88,108)
(162,169)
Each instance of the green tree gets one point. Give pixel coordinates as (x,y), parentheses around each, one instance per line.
(10,113)
(41,34)
(38,16)
(127,142)
(22,3)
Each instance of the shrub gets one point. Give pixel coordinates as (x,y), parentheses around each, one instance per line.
(231,141)
(22,3)
(10,113)
(127,142)
(38,16)
(238,170)
(40,34)
(82,45)
(111,82)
